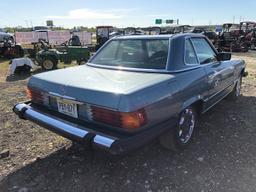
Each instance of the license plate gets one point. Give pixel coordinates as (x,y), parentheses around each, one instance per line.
(67,108)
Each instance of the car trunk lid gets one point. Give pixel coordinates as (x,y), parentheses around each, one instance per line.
(102,87)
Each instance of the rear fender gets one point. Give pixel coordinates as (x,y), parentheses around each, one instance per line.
(196,100)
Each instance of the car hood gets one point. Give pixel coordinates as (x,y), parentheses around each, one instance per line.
(95,85)
(6,34)
(3,34)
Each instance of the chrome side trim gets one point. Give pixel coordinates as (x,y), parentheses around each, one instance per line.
(57,95)
(107,142)
(216,101)
(209,98)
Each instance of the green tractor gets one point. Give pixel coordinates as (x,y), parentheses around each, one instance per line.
(49,58)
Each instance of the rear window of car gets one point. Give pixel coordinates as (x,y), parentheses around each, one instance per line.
(134,53)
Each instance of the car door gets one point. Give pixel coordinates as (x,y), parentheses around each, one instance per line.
(219,74)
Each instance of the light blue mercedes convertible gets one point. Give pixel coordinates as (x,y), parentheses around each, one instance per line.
(135,89)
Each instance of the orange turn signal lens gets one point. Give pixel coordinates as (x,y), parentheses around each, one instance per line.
(133,120)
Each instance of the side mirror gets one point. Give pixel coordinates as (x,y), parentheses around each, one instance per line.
(224,56)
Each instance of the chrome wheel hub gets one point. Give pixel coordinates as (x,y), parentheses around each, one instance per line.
(186,126)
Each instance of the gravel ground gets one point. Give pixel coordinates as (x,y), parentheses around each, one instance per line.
(221,158)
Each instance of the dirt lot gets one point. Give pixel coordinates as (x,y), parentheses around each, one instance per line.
(222,158)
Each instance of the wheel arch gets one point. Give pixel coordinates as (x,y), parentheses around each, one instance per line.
(43,57)
(53,57)
(196,102)
(244,73)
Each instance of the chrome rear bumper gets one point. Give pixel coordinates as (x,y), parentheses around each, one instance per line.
(90,136)
(64,128)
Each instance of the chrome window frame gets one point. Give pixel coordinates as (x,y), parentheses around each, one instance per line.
(211,46)
(190,64)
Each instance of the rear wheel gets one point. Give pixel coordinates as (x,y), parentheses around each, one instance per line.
(49,64)
(179,137)
(253,46)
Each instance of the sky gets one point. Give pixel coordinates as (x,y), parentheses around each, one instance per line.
(70,13)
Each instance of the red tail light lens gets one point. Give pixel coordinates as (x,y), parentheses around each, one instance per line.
(131,120)
(106,116)
(36,96)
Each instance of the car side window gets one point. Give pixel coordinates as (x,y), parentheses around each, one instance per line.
(190,55)
(204,51)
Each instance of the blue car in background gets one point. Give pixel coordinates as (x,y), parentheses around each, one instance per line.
(135,89)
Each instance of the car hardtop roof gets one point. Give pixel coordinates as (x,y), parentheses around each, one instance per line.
(168,36)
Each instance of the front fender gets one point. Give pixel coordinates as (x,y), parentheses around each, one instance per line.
(243,72)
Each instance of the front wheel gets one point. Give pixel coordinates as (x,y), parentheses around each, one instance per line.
(180,136)
(19,51)
(236,92)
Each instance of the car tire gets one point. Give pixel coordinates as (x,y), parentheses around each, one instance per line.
(19,51)
(236,92)
(253,47)
(180,136)
(49,64)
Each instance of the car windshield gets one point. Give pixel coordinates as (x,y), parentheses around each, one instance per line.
(134,53)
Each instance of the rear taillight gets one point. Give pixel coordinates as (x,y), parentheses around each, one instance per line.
(130,120)
(37,96)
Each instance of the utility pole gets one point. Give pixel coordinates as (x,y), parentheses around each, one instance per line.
(234,18)
(26,21)
(31,23)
